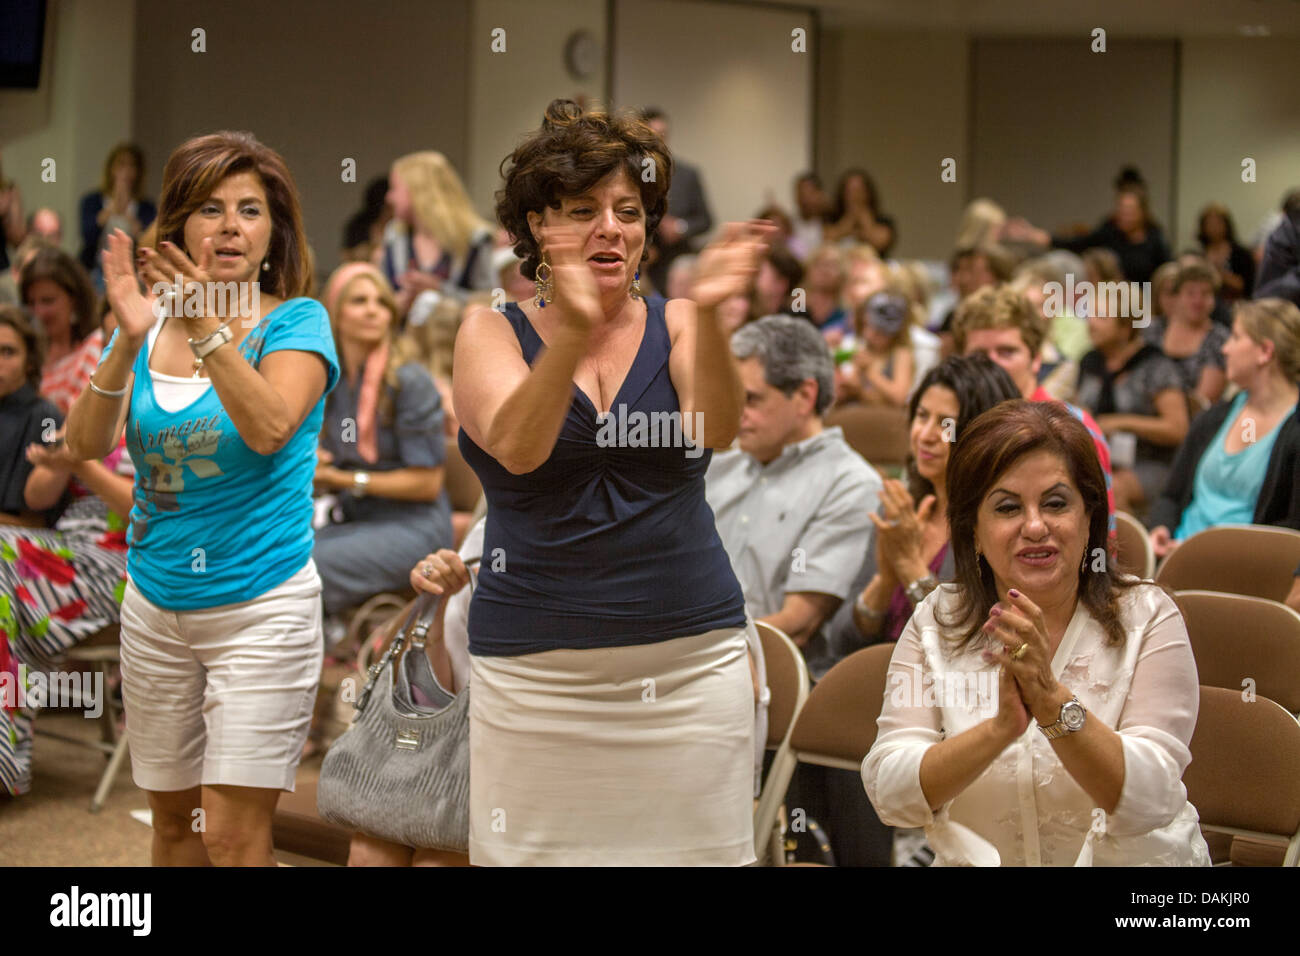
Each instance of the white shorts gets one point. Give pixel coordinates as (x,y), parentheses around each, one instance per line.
(222,695)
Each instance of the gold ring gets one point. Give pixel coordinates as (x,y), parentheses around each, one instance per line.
(1019,652)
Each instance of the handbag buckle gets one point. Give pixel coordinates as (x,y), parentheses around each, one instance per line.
(407,740)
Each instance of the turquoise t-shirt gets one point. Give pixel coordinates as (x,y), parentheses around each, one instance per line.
(214,522)
(1227,486)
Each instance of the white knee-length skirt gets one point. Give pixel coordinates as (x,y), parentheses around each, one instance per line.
(621,756)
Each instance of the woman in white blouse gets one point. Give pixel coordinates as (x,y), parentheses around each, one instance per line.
(1039,710)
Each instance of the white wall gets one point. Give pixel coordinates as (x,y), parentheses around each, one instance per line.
(1054,122)
(83,107)
(738,98)
(1240,98)
(509,91)
(895,104)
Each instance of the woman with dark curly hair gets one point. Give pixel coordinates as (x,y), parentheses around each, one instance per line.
(612,711)
(1038,633)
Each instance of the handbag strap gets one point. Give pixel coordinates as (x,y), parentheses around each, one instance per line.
(423,612)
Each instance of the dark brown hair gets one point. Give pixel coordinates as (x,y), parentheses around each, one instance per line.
(572,151)
(196,168)
(978,382)
(996,441)
(33,342)
(54,264)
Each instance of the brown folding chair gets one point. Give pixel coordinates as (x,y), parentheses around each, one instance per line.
(462,484)
(876,432)
(1244,778)
(1134,554)
(787,679)
(1236,639)
(1256,560)
(837,724)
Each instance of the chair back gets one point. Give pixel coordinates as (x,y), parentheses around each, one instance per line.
(787,680)
(1134,553)
(1244,777)
(462,484)
(1237,639)
(877,433)
(837,725)
(1257,560)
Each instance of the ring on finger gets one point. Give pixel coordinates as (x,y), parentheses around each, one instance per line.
(426,569)
(1019,652)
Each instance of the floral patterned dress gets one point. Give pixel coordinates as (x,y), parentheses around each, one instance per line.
(58,587)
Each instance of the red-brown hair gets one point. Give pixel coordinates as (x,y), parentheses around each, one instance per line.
(195,169)
(992,444)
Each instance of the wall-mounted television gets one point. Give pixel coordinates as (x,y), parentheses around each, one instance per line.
(21,42)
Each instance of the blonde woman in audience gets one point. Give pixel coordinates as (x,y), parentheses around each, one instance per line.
(981,224)
(1241,460)
(1038,711)
(382,449)
(436,243)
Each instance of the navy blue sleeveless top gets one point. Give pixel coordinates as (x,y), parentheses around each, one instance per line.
(603,545)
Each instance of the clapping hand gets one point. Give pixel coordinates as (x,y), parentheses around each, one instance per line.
(728,265)
(1022,646)
(134,310)
(576,293)
(901,531)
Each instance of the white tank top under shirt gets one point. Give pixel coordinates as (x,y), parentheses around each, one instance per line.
(173,392)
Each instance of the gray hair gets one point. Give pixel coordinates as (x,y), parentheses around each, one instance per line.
(1053,266)
(790,351)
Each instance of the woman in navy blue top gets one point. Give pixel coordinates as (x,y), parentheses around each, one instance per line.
(612,708)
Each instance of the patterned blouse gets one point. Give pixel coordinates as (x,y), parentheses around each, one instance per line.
(64,379)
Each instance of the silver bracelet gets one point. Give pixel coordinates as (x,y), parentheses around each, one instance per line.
(120,393)
(872,617)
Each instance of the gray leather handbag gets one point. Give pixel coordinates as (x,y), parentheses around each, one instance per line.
(401,771)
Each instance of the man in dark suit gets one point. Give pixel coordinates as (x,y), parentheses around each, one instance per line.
(1279,272)
(688,210)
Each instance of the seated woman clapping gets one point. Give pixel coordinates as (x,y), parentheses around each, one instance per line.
(1239,462)
(1039,710)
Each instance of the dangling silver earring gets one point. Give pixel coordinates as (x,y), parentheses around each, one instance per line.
(542,281)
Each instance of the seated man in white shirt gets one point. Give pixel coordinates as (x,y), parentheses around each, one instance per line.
(792,504)
(792,500)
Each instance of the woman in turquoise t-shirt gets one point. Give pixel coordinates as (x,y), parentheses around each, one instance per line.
(221,391)
(1239,462)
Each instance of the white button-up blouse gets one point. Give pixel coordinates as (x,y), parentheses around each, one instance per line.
(1026,809)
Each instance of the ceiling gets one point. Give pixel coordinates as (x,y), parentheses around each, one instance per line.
(1126,18)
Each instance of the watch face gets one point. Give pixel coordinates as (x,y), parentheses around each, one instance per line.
(1072,715)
